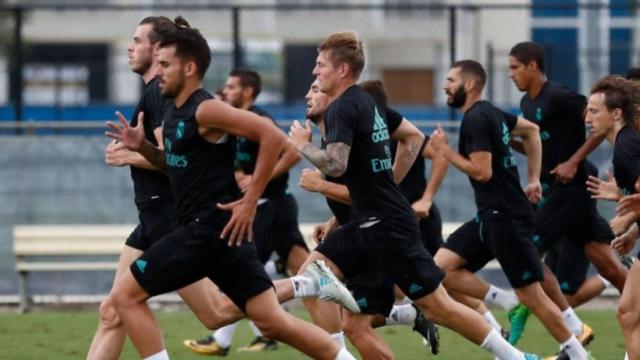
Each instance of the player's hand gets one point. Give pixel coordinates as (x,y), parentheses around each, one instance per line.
(629,205)
(624,243)
(321,231)
(116,154)
(300,135)
(533,191)
(243,181)
(565,171)
(311,180)
(422,207)
(131,137)
(603,190)
(621,223)
(240,226)
(438,139)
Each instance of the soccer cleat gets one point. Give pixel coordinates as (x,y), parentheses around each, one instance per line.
(206,346)
(428,330)
(260,343)
(587,335)
(530,356)
(329,287)
(518,318)
(562,355)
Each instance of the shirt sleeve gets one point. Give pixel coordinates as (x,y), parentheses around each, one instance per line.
(394,119)
(340,121)
(478,133)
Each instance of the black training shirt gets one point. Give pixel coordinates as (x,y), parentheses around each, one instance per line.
(355,119)
(486,128)
(559,113)
(201,173)
(150,185)
(247,154)
(626,159)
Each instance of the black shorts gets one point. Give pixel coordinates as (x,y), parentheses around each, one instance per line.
(495,235)
(374,292)
(567,261)
(569,212)
(394,246)
(195,251)
(156,221)
(275,228)
(431,230)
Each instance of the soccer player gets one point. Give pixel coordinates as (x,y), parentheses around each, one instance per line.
(214,219)
(276,227)
(373,289)
(386,227)
(503,224)
(153,195)
(566,209)
(612,111)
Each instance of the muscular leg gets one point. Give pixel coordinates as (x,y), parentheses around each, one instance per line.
(211,307)
(629,312)
(607,263)
(325,314)
(275,323)
(552,288)
(589,289)
(109,337)
(459,279)
(359,330)
(540,304)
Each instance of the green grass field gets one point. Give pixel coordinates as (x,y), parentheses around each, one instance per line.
(66,335)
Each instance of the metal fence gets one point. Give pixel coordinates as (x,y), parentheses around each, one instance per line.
(68,62)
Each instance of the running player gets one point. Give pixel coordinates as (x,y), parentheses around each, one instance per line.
(503,224)
(566,209)
(612,112)
(386,228)
(153,195)
(210,238)
(276,227)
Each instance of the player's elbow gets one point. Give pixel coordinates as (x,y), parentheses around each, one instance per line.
(483,176)
(336,170)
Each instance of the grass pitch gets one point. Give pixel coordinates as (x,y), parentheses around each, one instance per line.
(67,335)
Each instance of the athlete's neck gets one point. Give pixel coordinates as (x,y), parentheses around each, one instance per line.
(341,88)
(611,136)
(536,85)
(472,98)
(246,105)
(186,92)
(150,73)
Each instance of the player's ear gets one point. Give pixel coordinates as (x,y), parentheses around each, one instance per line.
(190,68)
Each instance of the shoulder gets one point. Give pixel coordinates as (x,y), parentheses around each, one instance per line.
(558,92)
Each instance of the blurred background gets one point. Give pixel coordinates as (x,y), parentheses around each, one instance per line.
(64,72)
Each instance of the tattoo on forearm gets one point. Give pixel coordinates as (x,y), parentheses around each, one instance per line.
(332,161)
(414,149)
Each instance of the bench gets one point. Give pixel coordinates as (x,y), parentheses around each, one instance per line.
(39,248)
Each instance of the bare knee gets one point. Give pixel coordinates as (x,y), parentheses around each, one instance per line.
(355,326)
(628,316)
(109,318)
(273,326)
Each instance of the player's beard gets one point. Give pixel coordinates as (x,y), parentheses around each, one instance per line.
(458,98)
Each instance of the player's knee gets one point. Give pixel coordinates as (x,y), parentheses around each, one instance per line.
(109,318)
(211,321)
(272,328)
(355,327)
(120,299)
(628,316)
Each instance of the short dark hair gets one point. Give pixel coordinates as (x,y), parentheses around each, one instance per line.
(189,44)
(248,78)
(160,26)
(472,68)
(633,74)
(528,51)
(375,88)
(618,93)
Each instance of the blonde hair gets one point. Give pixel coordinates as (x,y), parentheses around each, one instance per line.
(344,47)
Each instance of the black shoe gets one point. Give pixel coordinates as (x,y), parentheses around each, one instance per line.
(428,330)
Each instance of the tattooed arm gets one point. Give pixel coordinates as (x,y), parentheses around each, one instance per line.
(410,141)
(332,162)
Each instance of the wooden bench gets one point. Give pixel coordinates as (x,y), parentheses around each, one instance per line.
(39,248)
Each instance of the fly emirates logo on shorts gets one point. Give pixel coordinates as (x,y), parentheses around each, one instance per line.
(380,133)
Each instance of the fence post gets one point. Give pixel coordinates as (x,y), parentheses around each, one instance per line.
(490,70)
(18,80)
(237,46)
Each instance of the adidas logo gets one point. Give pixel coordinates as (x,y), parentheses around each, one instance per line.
(142,264)
(414,288)
(527,275)
(362,302)
(494,295)
(296,285)
(324,281)
(564,285)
